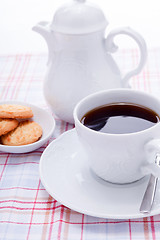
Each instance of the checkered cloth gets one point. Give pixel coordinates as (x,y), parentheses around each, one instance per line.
(27,211)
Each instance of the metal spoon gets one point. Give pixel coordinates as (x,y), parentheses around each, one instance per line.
(149,195)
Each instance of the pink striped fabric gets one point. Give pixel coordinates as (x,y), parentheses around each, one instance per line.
(27,211)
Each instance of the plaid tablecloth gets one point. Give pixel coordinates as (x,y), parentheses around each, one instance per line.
(27,211)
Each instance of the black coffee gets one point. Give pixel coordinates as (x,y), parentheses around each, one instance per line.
(120,118)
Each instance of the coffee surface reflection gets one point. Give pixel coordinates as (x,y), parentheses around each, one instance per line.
(120,118)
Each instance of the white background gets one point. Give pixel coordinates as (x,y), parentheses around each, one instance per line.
(17,17)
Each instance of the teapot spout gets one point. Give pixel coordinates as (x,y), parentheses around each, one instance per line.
(43,29)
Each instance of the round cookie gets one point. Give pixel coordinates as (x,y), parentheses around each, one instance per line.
(7,125)
(15,111)
(27,132)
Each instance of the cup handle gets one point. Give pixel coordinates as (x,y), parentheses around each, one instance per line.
(111,47)
(152,151)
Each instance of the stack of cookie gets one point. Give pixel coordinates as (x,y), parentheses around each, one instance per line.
(15,126)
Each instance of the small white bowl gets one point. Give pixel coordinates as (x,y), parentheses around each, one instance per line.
(43,118)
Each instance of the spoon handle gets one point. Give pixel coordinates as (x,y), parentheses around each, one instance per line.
(149,195)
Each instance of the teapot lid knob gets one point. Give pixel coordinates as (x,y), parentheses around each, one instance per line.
(78,17)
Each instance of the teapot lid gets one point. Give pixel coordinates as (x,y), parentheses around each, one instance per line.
(78,17)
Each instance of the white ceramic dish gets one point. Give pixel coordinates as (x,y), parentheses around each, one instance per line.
(66,175)
(43,118)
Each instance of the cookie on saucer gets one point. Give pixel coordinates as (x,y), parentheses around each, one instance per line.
(7,125)
(15,111)
(27,132)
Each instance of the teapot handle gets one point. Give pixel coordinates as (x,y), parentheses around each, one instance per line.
(111,47)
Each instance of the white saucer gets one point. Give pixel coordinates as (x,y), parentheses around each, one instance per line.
(66,175)
(43,118)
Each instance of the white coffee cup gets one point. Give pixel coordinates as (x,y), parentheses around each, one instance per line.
(120,158)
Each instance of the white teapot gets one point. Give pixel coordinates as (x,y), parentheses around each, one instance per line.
(80,60)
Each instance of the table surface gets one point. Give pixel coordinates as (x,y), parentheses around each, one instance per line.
(27,211)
